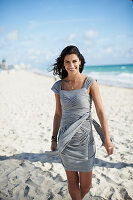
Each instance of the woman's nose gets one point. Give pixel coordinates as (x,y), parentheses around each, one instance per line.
(71,64)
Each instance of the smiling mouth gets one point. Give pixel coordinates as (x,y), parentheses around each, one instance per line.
(72,69)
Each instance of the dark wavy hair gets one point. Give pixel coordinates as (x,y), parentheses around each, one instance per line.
(59,65)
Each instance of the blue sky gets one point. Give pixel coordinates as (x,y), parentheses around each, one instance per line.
(34,32)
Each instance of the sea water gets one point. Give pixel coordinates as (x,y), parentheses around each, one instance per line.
(117,75)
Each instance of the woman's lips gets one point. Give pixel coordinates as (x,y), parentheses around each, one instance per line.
(72,69)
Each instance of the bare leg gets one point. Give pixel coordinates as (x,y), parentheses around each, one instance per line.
(73,185)
(85,182)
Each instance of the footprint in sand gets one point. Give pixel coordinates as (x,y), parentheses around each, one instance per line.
(108,179)
(50,195)
(26,191)
(124,194)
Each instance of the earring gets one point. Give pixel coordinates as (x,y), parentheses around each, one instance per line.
(63,68)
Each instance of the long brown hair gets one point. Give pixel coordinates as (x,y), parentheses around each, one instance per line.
(59,65)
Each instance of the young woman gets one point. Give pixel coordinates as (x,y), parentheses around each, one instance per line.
(72,120)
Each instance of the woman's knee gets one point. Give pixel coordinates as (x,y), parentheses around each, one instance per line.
(73,187)
(86,188)
(85,181)
(73,183)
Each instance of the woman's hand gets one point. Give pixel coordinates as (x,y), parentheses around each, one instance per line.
(109,147)
(53,145)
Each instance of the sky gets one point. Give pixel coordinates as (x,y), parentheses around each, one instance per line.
(34,32)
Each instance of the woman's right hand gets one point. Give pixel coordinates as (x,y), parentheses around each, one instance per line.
(53,145)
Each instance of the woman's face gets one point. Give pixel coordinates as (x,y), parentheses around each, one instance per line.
(71,63)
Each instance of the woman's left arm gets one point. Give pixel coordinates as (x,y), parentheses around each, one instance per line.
(95,93)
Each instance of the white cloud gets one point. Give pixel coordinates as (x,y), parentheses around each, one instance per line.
(129,53)
(72,37)
(48,55)
(108,50)
(104,51)
(13,35)
(33,51)
(37,55)
(22,66)
(91,34)
(88,51)
(1,30)
(34,24)
(34,54)
(120,36)
(88,42)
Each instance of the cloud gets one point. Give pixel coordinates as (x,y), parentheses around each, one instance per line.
(124,36)
(49,54)
(37,55)
(34,55)
(33,51)
(91,34)
(13,35)
(1,30)
(72,37)
(129,53)
(34,24)
(88,51)
(104,51)
(89,42)
(3,44)
(22,65)
(108,50)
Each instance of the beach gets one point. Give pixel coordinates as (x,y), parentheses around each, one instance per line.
(27,107)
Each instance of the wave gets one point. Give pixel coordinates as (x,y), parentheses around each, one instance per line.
(113,78)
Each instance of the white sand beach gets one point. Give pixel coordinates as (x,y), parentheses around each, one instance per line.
(27,108)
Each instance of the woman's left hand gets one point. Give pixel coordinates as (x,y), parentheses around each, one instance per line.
(109,147)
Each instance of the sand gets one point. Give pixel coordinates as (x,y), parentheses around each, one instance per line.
(27,108)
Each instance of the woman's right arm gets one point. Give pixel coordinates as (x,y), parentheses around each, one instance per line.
(56,121)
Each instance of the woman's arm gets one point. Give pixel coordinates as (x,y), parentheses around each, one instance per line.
(95,93)
(56,121)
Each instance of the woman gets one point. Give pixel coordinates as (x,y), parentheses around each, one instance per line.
(73,121)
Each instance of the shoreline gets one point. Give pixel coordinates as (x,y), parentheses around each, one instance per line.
(102,84)
(57,78)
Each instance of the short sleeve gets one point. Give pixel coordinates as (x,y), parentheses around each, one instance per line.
(56,87)
(89,82)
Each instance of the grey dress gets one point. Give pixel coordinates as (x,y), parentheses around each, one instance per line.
(76,145)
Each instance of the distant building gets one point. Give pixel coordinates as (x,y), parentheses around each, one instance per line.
(5,66)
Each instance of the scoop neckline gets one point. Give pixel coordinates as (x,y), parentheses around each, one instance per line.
(76,89)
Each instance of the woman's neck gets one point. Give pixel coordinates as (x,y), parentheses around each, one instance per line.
(74,77)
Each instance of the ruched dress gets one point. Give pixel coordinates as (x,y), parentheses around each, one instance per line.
(76,144)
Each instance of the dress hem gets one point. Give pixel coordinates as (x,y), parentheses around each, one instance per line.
(75,170)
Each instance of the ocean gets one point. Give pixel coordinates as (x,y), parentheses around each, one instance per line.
(116,75)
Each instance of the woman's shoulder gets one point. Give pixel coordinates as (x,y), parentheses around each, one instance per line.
(56,87)
(89,81)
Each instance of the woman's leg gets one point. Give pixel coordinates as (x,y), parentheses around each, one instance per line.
(73,185)
(85,182)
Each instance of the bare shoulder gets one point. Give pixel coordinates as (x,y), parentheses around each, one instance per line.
(93,88)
